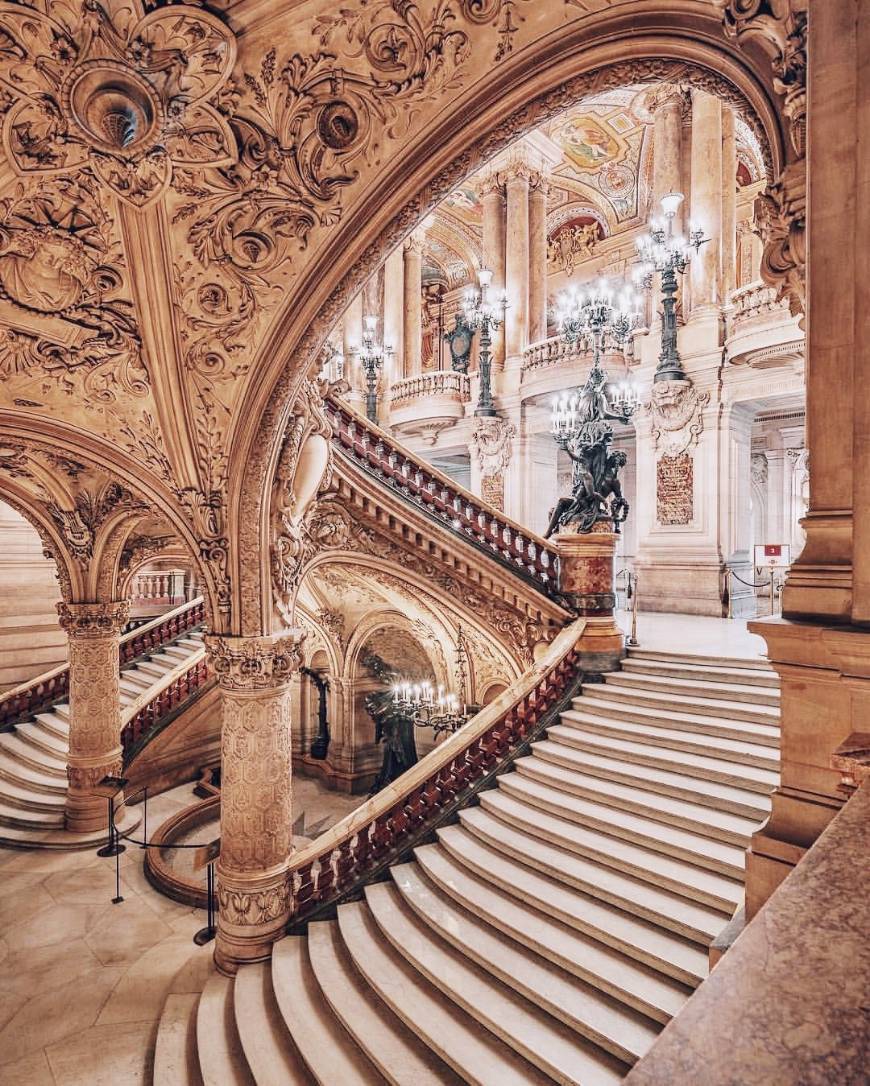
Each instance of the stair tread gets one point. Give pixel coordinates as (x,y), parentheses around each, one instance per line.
(175,1058)
(474,1053)
(221,1058)
(269,1051)
(549,1045)
(491,835)
(58,725)
(624,824)
(329,1052)
(712,706)
(652,777)
(632,955)
(701,684)
(616,707)
(753,777)
(16,748)
(12,792)
(680,875)
(650,803)
(398,1053)
(700,659)
(43,820)
(30,732)
(746,675)
(601,1019)
(24,776)
(661,732)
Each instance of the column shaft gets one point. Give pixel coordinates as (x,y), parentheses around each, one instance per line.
(254,895)
(706,197)
(537,260)
(94,631)
(412,320)
(729,204)
(494,252)
(517,265)
(352,341)
(667,150)
(394,305)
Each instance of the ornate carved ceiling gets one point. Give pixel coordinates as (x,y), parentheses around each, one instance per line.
(189,193)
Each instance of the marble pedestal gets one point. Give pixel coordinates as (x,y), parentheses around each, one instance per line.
(586,576)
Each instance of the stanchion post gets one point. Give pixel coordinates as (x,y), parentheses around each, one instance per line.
(729,587)
(207,855)
(145,820)
(771,589)
(110,787)
(632,641)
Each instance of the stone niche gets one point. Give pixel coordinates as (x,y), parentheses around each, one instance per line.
(675,489)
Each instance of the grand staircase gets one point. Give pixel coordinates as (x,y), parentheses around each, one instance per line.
(548,935)
(33,753)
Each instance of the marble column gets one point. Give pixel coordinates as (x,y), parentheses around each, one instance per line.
(667,148)
(394,313)
(729,205)
(706,199)
(537,258)
(254,676)
(94,632)
(352,330)
(517,263)
(492,200)
(412,317)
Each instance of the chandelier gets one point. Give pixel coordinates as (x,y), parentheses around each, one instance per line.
(484,314)
(663,251)
(433,708)
(371,356)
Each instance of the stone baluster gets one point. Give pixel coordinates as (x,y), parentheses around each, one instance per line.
(254,676)
(94,633)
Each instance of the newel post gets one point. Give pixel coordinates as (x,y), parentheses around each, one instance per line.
(586,578)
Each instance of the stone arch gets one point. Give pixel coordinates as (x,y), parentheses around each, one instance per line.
(540,83)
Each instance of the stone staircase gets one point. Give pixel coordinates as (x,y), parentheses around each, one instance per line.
(549,935)
(33,756)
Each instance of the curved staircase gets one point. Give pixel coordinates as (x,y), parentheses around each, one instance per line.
(548,935)
(33,754)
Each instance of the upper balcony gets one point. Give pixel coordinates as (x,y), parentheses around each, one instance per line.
(429,402)
(551,365)
(759,330)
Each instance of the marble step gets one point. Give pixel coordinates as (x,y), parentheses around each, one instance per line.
(399,1055)
(36,735)
(735,774)
(707,706)
(619,709)
(481,840)
(61,840)
(62,710)
(221,1058)
(655,836)
(44,780)
(134,684)
(474,1054)
(193,641)
(177,652)
(175,1057)
(602,1021)
(700,687)
(532,1033)
(695,817)
(33,757)
(674,669)
(702,660)
(720,797)
(32,797)
(492,895)
(53,724)
(661,735)
(678,876)
(269,1050)
(155,668)
(329,1052)
(21,818)
(629,959)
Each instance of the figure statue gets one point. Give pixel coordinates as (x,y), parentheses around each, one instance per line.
(393,727)
(596,491)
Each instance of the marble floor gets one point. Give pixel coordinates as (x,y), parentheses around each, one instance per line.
(700,634)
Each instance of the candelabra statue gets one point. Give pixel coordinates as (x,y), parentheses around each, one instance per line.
(486,315)
(371,356)
(582,422)
(668,253)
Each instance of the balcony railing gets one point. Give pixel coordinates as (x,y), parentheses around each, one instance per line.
(387,827)
(432,383)
(39,693)
(754,300)
(450,504)
(556,352)
(760,331)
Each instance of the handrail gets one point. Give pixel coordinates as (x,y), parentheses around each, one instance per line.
(173,690)
(44,690)
(391,822)
(452,505)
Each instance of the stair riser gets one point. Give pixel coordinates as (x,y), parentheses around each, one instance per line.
(728,837)
(645,874)
(56,731)
(49,822)
(662,670)
(39,742)
(720,777)
(649,738)
(736,711)
(631,682)
(23,781)
(48,767)
(47,806)
(712,662)
(765,735)
(666,848)
(660,965)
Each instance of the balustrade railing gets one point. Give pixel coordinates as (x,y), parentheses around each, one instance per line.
(158,584)
(555,351)
(503,539)
(41,692)
(387,827)
(163,701)
(754,300)
(432,383)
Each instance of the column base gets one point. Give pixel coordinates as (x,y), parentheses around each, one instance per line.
(252,914)
(86,812)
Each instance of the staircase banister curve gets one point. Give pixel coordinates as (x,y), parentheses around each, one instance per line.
(546,556)
(167,616)
(371,831)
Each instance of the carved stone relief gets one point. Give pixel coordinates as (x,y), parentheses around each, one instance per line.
(676,411)
(675,499)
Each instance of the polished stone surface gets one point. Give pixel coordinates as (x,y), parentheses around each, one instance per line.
(788,1004)
(701,635)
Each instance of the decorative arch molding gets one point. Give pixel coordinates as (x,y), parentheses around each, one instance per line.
(563,68)
(325,643)
(586,206)
(387,619)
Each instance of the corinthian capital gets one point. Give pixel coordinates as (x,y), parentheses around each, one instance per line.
(255,663)
(93,619)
